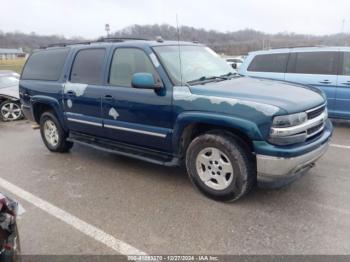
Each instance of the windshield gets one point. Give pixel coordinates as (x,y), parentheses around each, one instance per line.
(198,62)
(7,81)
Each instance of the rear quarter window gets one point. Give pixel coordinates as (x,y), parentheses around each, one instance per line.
(274,63)
(346,64)
(87,66)
(316,63)
(45,65)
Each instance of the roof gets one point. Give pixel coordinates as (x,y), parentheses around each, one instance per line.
(11,51)
(7,72)
(303,49)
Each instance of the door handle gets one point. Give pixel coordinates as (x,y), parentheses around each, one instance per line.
(70,93)
(325,82)
(108,98)
(346,83)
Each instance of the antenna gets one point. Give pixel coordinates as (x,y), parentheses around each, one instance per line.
(178,43)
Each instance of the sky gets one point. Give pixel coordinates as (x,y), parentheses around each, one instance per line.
(87,18)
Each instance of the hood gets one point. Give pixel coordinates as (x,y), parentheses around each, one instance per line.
(292,98)
(11,91)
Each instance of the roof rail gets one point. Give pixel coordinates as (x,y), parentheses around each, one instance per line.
(100,40)
(119,39)
(66,44)
(297,46)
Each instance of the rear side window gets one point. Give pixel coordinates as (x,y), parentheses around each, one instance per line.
(346,64)
(318,63)
(126,62)
(87,66)
(275,63)
(45,65)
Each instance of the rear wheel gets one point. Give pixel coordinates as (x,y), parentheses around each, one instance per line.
(10,111)
(53,134)
(220,166)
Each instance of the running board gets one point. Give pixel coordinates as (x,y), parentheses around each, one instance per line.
(122,149)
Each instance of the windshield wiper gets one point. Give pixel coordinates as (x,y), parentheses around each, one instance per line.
(229,75)
(205,79)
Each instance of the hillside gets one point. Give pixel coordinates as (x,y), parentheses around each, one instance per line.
(233,43)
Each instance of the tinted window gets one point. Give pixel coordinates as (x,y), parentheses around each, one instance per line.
(275,63)
(87,67)
(45,65)
(346,64)
(320,63)
(126,62)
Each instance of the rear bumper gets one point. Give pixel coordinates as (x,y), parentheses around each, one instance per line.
(279,169)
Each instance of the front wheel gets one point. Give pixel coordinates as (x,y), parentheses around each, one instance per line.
(53,134)
(220,166)
(10,111)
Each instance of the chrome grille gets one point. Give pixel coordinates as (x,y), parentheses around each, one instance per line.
(308,130)
(315,112)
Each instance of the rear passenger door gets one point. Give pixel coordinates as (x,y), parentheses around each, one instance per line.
(136,116)
(342,103)
(318,69)
(82,93)
(272,66)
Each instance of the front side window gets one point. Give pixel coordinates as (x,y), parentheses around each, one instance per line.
(346,64)
(126,62)
(87,66)
(45,65)
(274,63)
(318,63)
(196,62)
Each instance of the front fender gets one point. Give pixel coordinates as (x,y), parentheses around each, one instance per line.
(250,129)
(48,101)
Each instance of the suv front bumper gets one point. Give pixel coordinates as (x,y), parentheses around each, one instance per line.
(275,171)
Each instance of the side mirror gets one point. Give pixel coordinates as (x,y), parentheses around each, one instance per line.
(143,80)
(234,66)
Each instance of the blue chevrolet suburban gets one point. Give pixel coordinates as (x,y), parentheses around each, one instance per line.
(174,103)
(326,68)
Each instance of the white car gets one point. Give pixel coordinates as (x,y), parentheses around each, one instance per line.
(10,107)
(234,62)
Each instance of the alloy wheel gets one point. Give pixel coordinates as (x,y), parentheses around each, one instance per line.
(11,111)
(51,133)
(214,168)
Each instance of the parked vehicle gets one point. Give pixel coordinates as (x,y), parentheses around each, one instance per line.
(9,237)
(234,62)
(10,107)
(326,68)
(137,98)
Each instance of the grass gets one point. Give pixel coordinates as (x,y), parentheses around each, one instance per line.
(14,65)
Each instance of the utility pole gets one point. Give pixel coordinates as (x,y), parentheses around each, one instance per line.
(107,28)
(343,26)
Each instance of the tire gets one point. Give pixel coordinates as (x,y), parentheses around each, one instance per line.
(10,111)
(53,134)
(220,166)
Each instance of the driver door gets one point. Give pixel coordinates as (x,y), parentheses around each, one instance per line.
(136,116)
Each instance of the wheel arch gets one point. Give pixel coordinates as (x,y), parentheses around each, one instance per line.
(191,125)
(41,104)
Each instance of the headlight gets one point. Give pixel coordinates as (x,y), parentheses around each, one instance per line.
(289,120)
(283,129)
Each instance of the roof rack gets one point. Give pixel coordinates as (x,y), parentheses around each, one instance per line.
(297,46)
(66,44)
(119,39)
(100,40)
